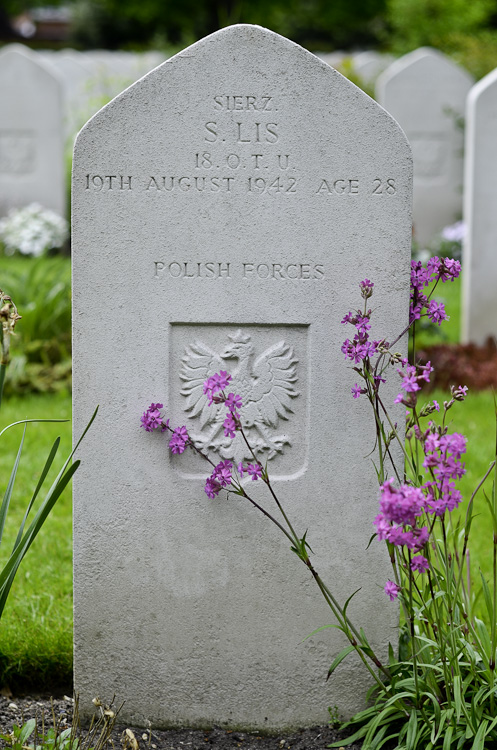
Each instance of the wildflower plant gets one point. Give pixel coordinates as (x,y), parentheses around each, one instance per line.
(438,690)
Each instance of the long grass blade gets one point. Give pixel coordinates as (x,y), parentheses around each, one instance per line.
(42,478)
(8,492)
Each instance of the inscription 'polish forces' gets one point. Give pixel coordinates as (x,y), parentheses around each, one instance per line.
(218,270)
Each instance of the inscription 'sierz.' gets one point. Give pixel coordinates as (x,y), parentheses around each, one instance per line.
(266,384)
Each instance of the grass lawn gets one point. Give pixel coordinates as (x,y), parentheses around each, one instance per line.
(36,627)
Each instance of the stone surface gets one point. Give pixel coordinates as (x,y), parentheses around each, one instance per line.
(426,93)
(71,68)
(368,65)
(31,132)
(479,309)
(225,208)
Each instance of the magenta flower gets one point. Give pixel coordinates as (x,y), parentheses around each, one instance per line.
(409,379)
(254,471)
(403,505)
(233,402)
(222,473)
(151,419)
(366,288)
(420,564)
(436,312)
(215,384)
(212,488)
(356,391)
(229,425)
(391,590)
(449,270)
(178,440)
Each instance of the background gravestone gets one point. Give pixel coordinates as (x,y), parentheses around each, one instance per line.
(31,135)
(426,93)
(479,318)
(225,208)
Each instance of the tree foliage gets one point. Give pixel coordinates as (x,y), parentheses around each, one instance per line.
(323,24)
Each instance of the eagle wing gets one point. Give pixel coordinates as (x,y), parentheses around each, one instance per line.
(199,363)
(274,383)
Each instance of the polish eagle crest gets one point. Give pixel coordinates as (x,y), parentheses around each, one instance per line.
(266,384)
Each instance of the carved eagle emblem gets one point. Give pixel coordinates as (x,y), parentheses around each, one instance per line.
(265,383)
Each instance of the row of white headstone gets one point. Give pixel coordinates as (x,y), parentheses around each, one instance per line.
(45,98)
(425,92)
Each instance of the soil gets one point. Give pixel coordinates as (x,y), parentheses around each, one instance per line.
(17,710)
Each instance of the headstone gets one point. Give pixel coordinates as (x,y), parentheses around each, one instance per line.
(479,309)
(426,93)
(31,132)
(225,208)
(334,59)
(75,76)
(369,64)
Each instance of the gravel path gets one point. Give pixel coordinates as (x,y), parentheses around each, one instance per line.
(16,710)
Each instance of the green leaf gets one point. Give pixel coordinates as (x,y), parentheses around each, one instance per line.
(27,729)
(457,696)
(479,740)
(323,627)
(411,731)
(42,478)
(8,573)
(10,486)
(338,659)
(448,738)
(484,639)
(349,600)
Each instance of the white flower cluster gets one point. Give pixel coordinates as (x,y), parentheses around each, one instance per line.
(32,230)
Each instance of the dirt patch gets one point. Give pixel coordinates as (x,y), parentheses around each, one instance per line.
(18,710)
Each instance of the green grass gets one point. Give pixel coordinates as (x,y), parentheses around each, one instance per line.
(36,627)
(450,331)
(475,419)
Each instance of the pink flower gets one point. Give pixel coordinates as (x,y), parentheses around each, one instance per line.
(403,505)
(255,471)
(216,383)
(436,312)
(420,564)
(178,440)
(212,488)
(356,391)
(366,288)
(229,425)
(151,419)
(391,590)
(233,402)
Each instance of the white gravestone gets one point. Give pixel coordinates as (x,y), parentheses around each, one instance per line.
(369,64)
(479,313)
(225,208)
(426,93)
(31,132)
